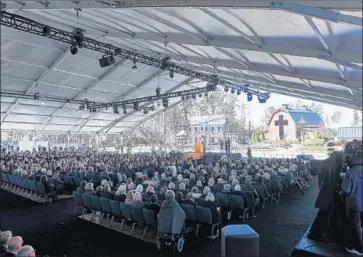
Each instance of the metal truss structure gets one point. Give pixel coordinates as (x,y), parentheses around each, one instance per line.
(306,49)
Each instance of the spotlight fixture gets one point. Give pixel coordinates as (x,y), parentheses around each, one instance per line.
(159,104)
(226,89)
(200,94)
(125,111)
(165,103)
(194,96)
(106,60)
(42,102)
(136,106)
(249,97)
(152,108)
(171,74)
(183,98)
(115,109)
(206,94)
(262,98)
(134,66)
(245,88)
(81,107)
(36,96)
(158,91)
(233,90)
(46,31)
(239,91)
(146,111)
(74,49)
(187,97)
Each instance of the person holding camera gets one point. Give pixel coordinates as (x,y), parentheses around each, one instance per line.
(352,191)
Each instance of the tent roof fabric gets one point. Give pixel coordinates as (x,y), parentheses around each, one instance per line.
(272,50)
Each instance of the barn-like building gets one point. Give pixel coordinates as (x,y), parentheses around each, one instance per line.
(289,124)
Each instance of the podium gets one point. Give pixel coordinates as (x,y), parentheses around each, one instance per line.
(198,148)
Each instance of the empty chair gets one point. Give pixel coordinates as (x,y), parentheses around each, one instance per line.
(86,199)
(96,205)
(237,204)
(115,210)
(204,217)
(137,218)
(125,212)
(150,221)
(79,203)
(105,207)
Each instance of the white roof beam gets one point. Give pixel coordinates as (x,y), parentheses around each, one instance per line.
(40,79)
(108,127)
(152,16)
(96,4)
(89,88)
(320,13)
(230,26)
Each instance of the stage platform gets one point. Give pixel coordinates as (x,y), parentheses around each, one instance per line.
(307,247)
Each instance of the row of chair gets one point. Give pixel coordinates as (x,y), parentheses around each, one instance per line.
(143,218)
(28,188)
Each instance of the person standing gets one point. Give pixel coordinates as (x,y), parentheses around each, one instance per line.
(352,190)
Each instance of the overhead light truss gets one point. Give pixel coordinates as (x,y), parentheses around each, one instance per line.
(27,25)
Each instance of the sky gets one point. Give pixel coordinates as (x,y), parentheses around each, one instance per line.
(257,110)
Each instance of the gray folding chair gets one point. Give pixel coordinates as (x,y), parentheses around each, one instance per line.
(150,221)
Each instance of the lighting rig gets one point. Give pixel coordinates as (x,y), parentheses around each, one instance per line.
(77,40)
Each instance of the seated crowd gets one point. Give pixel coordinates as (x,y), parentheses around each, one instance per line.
(144,179)
(13,246)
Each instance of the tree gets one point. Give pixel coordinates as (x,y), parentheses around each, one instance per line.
(268,114)
(335,118)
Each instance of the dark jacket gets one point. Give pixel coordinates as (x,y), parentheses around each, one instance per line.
(80,190)
(120,198)
(107,195)
(352,188)
(190,202)
(8,254)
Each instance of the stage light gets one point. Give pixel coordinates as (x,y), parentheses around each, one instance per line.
(158,91)
(249,97)
(81,107)
(262,98)
(159,104)
(36,96)
(115,110)
(106,60)
(200,94)
(125,111)
(171,74)
(194,96)
(74,49)
(239,91)
(226,89)
(42,102)
(134,66)
(187,97)
(183,98)
(206,94)
(152,108)
(233,90)
(245,88)
(165,103)
(136,106)
(46,31)
(146,111)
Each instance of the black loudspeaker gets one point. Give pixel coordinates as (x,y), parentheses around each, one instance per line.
(239,240)
(106,61)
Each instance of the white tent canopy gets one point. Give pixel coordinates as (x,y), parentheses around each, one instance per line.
(295,49)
